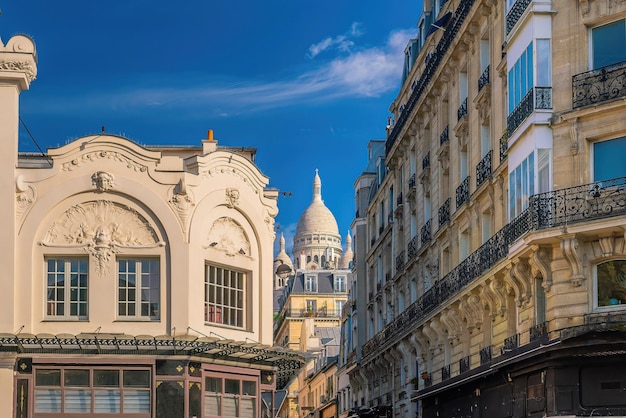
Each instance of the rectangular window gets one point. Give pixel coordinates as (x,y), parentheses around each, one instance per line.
(224,296)
(340,283)
(230,397)
(531,176)
(138,288)
(92,391)
(310,284)
(608,43)
(66,290)
(608,159)
(521,78)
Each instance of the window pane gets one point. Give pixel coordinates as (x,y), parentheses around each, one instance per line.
(608,159)
(77,401)
(76,377)
(48,378)
(137,378)
(106,401)
(544,68)
(48,400)
(105,378)
(248,388)
(231,386)
(136,401)
(611,282)
(609,44)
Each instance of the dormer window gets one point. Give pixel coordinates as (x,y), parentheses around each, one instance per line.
(310,284)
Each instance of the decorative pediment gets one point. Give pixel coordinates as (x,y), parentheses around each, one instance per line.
(228,236)
(102,228)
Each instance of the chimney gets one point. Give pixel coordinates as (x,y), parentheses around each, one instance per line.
(209,144)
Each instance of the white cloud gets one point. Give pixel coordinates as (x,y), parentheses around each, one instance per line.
(368,72)
(340,42)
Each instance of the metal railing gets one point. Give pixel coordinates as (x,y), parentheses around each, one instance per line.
(536,98)
(483,169)
(516,12)
(445,136)
(444,213)
(462,110)
(462,193)
(483,80)
(426,232)
(599,85)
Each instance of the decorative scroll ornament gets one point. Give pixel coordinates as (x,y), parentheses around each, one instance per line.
(182,200)
(102,154)
(569,248)
(227,235)
(102,228)
(103,181)
(24,196)
(20,66)
(232,198)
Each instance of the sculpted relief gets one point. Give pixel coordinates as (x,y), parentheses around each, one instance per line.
(101,228)
(227,235)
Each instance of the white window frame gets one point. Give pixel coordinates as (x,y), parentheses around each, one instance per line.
(310,284)
(595,303)
(145,287)
(52,302)
(219,308)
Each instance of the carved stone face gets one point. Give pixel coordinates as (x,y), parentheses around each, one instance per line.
(103,181)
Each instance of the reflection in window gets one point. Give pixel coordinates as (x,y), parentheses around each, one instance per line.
(611,283)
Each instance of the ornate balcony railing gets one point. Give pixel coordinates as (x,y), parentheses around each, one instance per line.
(504,146)
(577,204)
(515,14)
(444,213)
(445,136)
(483,80)
(464,364)
(399,200)
(536,98)
(445,372)
(412,248)
(412,181)
(430,68)
(539,331)
(599,85)
(462,193)
(483,169)
(381,229)
(428,381)
(426,161)
(510,343)
(485,355)
(399,261)
(462,110)
(426,233)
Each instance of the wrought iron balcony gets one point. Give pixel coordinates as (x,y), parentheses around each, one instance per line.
(483,169)
(426,161)
(445,372)
(444,213)
(412,181)
(464,364)
(387,276)
(485,355)
(515,14)
(412,248)
(399,200)
(539,331)
(536,98)
(577,204)
(445,136)
(510,343)
(430,68)
(462,193)
(381,229)
(399,261)
(504,145)
(426,232)
(462,110)
(599,85)
(483,80)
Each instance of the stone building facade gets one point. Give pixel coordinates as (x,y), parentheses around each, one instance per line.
(137,280)
(495,253)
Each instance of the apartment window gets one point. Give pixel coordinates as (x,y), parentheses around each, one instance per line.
(339,306)
(523,182)
(340,284)
(310,284)
(227,397)
(138,288)
(224,296)
(608,44)
(66,289)
(608,159)
(464,245)
(610,283)
(521,77)
(92,391)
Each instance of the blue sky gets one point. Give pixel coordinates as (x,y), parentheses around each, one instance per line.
(308,83)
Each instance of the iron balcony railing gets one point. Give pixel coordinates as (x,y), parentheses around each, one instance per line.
(412,248)
(539,331)
(400,261)
(412,181)
(430,68)
(462,193)
(445,372)
(536,98)
(464,364)
(483,80)
(599,85)
(510,343)
(558,208)
(399,200)
(462,110)
(485,355)
(426,161)
(445,136)
(516,12)
(483,169)
(504,146)
(426,232)
(444,213)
